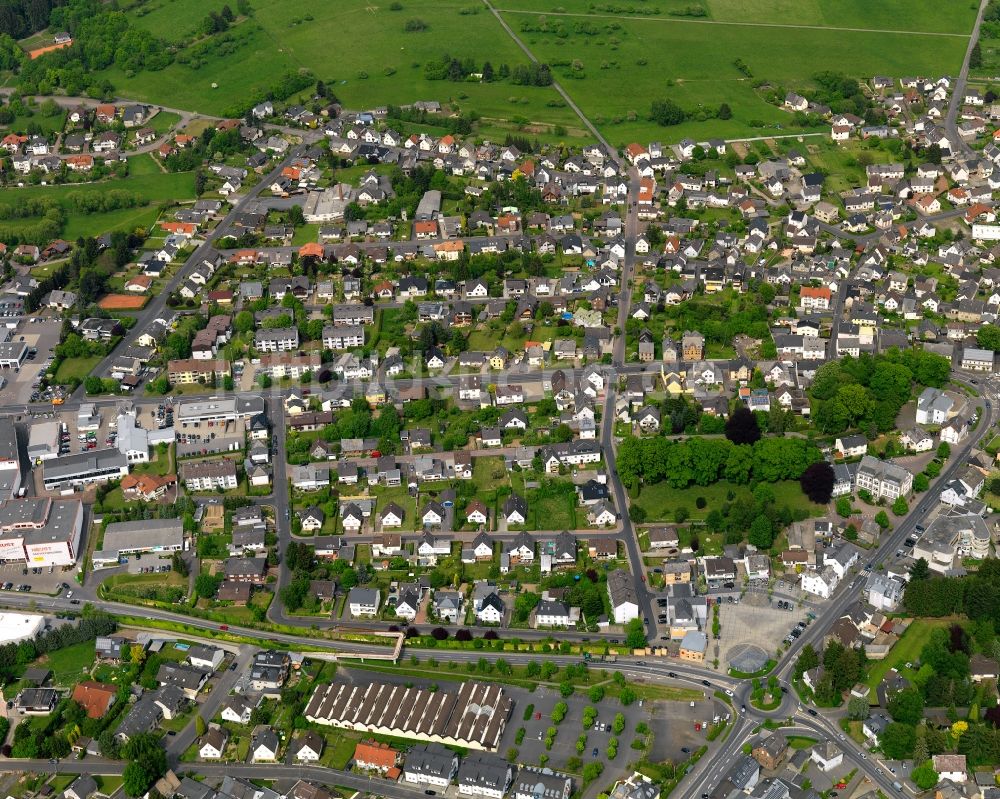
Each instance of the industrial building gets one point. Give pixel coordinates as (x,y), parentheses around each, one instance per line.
(75,472)
(40,531)
(132,538)
(473,716)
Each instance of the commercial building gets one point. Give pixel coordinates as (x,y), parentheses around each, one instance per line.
(218,409)
(473,716)
(43,441)
(132,538)
(41,531)
(75,472)
(13,354)
(16,627)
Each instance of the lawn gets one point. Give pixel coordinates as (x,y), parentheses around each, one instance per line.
(661,500)
(906,650)
(76,367)
(699,60)
(304,234)
(553,513)
(70,662)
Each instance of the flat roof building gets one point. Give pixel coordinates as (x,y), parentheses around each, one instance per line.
(16,627)
(473,716)
(145,535)
(218,409)
(41,531)
(74,472)
(43,441)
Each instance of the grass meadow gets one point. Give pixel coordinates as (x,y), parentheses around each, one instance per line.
(360,48)
(158,187)
(693,64)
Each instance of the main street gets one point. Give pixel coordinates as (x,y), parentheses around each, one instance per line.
(156,307)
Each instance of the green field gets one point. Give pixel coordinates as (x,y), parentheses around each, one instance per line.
(698,59)
(661,500)
(338,42)
(76,367)
(626,60)
(907,15)
(158,187)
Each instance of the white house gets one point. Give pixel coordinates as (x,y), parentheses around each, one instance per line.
(821,584)
(827,756)
(364,601)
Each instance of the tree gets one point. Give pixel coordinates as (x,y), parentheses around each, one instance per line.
(899,507)
(924,775)
(725,112)
(618,725)
(808,659)
(858,708)
(761,532)
(882,519)
(559,712)
(975,61)
(596,694)
(817,482)
(666,112)
(147,763)
(627,696)
(635,634)
(206,585)
(742,426)
(944,450)
(898,740)
(920,570)
(907,706)
(844,507)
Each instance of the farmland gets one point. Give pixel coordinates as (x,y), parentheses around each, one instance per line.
(685,52)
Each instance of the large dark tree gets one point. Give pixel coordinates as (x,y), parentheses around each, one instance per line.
(742,427)
(920,570)
(817,482)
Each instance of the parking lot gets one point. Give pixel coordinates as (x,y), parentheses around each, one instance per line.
(40,580)
(42,335)
(750,623)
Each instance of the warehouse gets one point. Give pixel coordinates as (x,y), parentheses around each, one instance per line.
(145,535)
(473,715)
(43,441)
(73,472)
(40,532)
